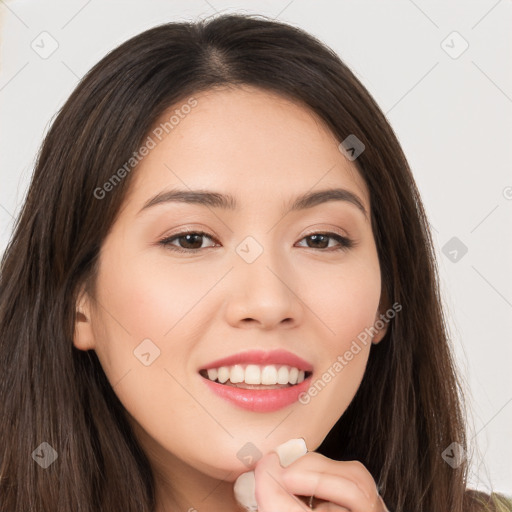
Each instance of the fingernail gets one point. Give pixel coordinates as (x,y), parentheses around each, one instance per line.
(245,491)
(291,451)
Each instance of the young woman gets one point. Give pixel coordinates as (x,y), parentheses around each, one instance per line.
(222,249)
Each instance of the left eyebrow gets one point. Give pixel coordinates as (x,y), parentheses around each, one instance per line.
(228,202)
(311,199)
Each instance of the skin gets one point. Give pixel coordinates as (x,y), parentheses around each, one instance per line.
(210,303)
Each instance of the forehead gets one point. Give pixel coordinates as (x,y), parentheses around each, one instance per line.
(248,142)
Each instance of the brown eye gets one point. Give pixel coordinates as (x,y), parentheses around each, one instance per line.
(189,241)
(321,241)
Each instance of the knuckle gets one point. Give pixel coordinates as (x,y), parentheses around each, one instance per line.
(358,466)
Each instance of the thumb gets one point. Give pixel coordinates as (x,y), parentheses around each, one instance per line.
(245,484)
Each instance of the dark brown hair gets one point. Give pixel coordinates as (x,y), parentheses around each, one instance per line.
(408,408)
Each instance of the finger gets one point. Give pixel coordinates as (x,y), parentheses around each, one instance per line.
(271,494)
(330,507)
(352,470)
(244,487)
(332,488)
(290,451)
(382,504)
(244,491)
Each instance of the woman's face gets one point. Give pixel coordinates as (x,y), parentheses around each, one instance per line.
(260,280)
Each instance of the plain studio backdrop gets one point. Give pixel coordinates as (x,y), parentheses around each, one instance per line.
(441,72)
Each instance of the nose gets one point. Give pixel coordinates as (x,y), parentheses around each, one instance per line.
(264,294)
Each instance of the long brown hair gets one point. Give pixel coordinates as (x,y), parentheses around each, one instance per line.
(409,406)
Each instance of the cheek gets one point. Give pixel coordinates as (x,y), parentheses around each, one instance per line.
(133,308)
(149,307)
(348,302)
(141,302)
(348,309)
(146,300)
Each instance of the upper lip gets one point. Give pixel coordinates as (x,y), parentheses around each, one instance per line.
(279,356)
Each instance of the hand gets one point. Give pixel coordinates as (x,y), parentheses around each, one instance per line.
(336,485)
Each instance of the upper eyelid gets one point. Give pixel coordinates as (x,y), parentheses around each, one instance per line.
(185,230)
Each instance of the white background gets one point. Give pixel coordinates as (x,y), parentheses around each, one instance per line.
(453,117)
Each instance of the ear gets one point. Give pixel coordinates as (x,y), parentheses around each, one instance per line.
(381,322)
(83,338)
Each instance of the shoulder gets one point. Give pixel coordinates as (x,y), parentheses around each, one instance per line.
(478,501)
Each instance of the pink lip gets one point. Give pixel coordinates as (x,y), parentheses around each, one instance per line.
(278,356)
(259,400)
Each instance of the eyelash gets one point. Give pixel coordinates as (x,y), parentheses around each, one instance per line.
(345,243)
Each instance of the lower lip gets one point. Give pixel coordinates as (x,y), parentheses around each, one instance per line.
(259,400)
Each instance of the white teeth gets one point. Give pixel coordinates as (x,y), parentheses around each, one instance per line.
(254,374)
(282,375)
(237,374)
(269,375)
(223,374)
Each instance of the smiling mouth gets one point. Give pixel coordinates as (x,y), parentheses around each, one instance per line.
(253,376)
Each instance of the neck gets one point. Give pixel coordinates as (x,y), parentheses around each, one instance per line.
(188,490)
